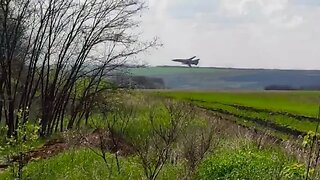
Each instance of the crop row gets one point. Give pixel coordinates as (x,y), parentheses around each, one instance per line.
(284,122)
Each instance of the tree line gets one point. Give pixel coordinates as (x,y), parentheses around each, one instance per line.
(55,55)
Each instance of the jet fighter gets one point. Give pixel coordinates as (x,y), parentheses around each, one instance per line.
(189,61)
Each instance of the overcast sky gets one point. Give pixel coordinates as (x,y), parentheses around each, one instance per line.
(236,33)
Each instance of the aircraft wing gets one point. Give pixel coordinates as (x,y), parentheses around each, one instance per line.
(179,60)
(193,57)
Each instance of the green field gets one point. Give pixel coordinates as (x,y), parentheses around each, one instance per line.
(196,78)
(171,137)
(206,78)
(288,112)
(151,71)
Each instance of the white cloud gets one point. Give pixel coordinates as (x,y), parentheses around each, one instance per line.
(157,9)
(286,21)
(276,12)
(247,7)
(269,7)
(234,7)
(237,33)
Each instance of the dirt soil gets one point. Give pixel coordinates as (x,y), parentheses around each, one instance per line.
(97,139)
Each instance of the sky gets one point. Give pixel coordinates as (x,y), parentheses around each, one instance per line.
(277,34)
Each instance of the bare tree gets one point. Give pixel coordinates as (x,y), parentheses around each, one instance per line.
(111,129)
(117,121)
(197,141)
(166,127)
(65,41)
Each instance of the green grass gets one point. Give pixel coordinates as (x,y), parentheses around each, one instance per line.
(205,78)
(84,164)
(302,103)
(263,106)
(235,159)
(151,71)
(249,162)
(232,158)
(281,120)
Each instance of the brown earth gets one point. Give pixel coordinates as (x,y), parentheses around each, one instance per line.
(99,138)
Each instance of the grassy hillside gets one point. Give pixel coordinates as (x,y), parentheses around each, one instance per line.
(291,113)
(145,137)
(224,78)
(153,71)
(302,103)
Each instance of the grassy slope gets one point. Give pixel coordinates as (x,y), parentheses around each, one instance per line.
(273,106)
(227,163)
(248,162)
(226,79)
(85,164)
(302,103)
(195,78)
(152,71)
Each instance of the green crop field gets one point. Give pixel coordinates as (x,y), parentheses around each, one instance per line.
(206,78)
(293,113)
(150,71)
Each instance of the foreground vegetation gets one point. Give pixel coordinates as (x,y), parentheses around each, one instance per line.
(155,138)
(62,115)
(85,164)
(246,162)
(297,102)
(284,113)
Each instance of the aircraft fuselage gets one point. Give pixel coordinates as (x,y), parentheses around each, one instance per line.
(189,62)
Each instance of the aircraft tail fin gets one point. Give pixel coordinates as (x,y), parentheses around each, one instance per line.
(196,62)
(193,57)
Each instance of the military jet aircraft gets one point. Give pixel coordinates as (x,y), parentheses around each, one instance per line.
(189,61)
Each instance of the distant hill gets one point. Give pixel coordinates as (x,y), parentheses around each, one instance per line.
(203,78)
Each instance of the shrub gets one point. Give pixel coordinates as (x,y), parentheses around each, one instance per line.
(84,164)
(249,163)
(16,147)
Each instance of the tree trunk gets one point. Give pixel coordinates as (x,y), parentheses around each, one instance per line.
(10,118)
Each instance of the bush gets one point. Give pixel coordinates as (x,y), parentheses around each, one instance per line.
(84,164)
(16,147)
(249,163)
